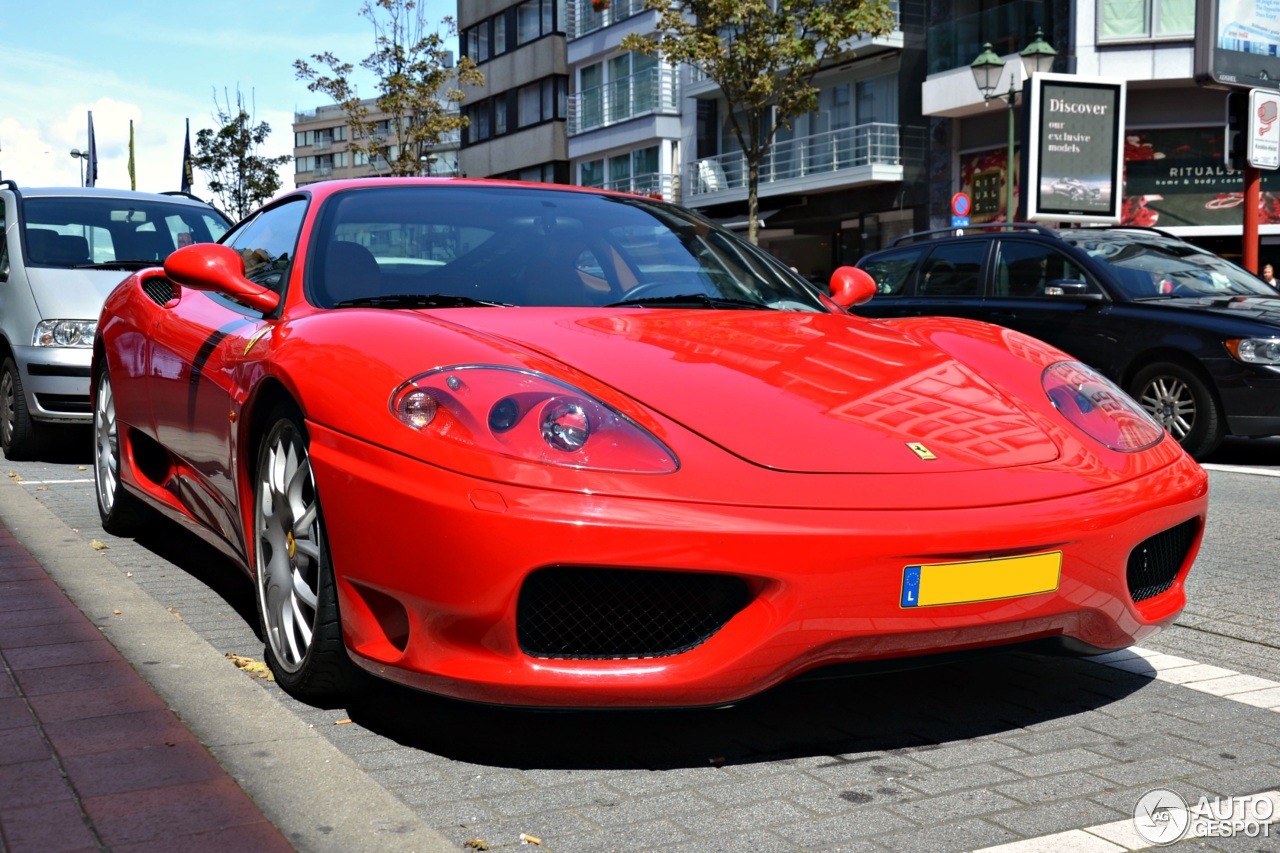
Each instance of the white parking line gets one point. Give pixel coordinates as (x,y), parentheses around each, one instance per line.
(1240,469)
(1215,680)
(51,482)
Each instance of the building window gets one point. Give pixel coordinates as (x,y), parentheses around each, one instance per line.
(1130,20)
(591,173)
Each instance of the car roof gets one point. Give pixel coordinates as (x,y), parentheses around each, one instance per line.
(321,189)
(992,230)
(107,192)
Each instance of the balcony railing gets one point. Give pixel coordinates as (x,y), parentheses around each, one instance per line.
(655,185)
(651,91)
(583,18)
(322,144)
(875,144)
(1009,28)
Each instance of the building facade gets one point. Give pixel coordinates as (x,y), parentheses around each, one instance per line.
(322,147)
(517,125)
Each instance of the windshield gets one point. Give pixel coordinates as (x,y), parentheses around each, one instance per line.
(502,245)
(1151,268)
(79,231)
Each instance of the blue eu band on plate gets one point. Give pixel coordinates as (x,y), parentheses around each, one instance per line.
(980,580)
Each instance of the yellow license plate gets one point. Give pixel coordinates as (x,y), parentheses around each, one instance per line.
(928,585)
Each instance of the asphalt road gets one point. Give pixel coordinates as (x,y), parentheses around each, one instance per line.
(1008,749)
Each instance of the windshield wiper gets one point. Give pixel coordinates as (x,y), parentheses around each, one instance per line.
(693,300)
(418,300)
(120,264)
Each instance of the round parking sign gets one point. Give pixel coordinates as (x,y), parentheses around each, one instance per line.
(960,204)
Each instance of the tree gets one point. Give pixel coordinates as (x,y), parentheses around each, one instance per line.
(241,178)
(411,66)
(763,54)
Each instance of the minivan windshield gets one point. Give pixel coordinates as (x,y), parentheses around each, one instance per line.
(1150,268)
(78,231)
(441,246)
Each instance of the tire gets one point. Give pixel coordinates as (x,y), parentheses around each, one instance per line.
(18,437)
(297,599)
(1183,404)
(122,514)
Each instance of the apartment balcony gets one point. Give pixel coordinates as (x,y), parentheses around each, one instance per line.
(322,145)
(867,153)
(655,185)
(584,19)
(322,171)
(654,91)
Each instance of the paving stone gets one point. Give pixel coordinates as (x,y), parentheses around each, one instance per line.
(948,838)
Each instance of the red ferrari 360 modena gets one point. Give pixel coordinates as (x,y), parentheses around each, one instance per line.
(541,445)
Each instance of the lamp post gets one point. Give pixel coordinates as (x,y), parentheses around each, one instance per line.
(987,68)
(81,156)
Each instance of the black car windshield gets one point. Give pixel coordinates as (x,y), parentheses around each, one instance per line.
(505,245)
(1152,267)
(81,231)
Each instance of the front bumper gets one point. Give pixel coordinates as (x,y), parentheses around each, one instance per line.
(430,565)
(55,382)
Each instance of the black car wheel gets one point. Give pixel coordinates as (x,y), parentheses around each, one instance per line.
(18,435)
(1182,403)
(122,514)
(297,600)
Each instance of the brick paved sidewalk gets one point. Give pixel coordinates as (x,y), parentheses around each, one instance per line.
(90,757)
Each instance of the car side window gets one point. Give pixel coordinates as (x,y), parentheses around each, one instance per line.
(892,270)
(953,269)
(267,244)
(1023,268)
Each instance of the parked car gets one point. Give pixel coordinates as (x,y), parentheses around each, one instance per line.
(1194,338)
(62,252)
(544,445)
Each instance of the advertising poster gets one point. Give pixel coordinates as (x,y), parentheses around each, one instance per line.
(982,178)
(1074,166)
(1176,177)
(1237,43)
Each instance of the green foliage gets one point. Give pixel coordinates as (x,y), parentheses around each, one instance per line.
(763,54)
(415,87)
(240,177)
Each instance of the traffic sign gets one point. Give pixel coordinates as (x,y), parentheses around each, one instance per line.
(1264,129)
(959,221)
(960,205)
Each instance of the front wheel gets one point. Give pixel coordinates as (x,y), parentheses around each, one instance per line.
(297,600)
(122,514)
(1182,403)
(18,436)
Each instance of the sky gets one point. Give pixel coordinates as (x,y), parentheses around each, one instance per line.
(160,63)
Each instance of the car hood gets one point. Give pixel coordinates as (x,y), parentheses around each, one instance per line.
(63,294)
(1265,309)
(791,391)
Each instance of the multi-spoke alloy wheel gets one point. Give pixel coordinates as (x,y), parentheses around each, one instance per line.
(1182,403)
(120,511)
(296,598)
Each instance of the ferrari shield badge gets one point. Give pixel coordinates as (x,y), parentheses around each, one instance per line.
(920,450)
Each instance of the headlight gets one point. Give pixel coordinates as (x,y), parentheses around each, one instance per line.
(65,333)
(529,416)
(1099,408)
(1255,350)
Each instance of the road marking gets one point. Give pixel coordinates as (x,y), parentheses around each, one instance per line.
(1240,469)
(53,482)
(1214,680)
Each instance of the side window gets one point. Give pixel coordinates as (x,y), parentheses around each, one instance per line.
(953,269)
(892,270)
(1023,268)
(267,244)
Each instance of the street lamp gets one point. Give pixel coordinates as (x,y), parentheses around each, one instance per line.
(987,68)
(81,156)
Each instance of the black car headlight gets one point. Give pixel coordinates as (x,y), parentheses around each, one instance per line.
(1255,350)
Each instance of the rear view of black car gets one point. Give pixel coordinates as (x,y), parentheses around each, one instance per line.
(1194,338)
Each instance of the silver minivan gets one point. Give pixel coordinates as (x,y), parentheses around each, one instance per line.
(64,250)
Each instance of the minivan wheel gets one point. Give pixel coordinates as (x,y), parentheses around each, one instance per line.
(18,436)
(1182,403)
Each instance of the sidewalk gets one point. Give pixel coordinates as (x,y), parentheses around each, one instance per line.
(90,757)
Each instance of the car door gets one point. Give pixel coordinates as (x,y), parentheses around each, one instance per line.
(200,349)
(942,278)
(1040,290)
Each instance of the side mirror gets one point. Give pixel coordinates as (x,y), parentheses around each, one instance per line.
(851,286)
(1071,289)
(218,269)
